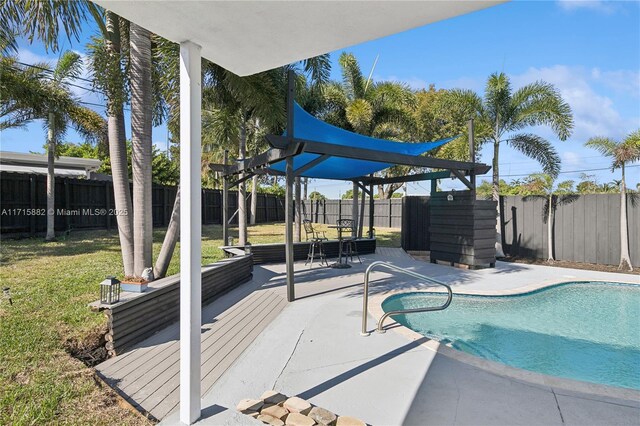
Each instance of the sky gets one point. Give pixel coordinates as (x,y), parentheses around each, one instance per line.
(589,50)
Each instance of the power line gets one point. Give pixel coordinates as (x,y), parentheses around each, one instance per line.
(50,71)
(573,171)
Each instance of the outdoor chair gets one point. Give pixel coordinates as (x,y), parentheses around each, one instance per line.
(315,238)
(349,244)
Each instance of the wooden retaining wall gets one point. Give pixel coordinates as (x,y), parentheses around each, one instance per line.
(275,253)
(137,317)
(463,230)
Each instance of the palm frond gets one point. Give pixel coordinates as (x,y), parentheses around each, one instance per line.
(540,103)
(539,149)
(352,79)
(69,67)
(497,100)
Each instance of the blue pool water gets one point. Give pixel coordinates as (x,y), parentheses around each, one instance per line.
(582,331)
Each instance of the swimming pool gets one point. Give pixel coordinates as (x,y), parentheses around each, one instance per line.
(586,331)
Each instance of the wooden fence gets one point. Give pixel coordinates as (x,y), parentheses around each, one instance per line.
(89,204)
(387,213)
(586,230)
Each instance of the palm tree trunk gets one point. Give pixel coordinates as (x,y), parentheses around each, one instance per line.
(550,229)
(51,178)
(141,127)
(254,200)
(496,197)
(170,240)
(625,258)
(242,191)
(118,152)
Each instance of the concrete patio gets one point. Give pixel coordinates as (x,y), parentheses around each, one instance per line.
(312,348)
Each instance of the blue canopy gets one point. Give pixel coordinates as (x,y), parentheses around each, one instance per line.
(310,128)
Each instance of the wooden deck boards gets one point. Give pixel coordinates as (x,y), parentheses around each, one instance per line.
(148,375)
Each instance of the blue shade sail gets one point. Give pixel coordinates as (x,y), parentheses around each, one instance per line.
(310,128)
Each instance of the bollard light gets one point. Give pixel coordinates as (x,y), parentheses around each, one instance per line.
(109,291)
(247,248)
(7,293)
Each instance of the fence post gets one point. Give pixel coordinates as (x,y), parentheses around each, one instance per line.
(339,209)
(32,202)
(390,207)
(66,204)
(107,201)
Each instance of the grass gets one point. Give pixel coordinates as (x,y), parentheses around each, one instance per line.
(41,381)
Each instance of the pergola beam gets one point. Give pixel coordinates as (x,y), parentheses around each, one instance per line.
(357,153)
(311,164)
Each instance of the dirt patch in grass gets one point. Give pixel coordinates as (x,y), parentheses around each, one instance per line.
(89,349)
(569,264)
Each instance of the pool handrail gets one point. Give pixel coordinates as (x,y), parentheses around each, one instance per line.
(405,271)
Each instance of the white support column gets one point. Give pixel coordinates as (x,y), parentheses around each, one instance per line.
(190,231)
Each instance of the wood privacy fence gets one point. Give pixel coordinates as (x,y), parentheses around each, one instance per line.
(89,204)
(586,230)
(387,213)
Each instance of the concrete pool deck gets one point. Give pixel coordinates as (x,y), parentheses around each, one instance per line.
(313,349)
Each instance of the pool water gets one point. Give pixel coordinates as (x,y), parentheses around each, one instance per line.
(582,331)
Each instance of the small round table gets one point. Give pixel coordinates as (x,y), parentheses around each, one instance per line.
(339,264)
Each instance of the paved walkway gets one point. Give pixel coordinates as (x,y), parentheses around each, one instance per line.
(312,348)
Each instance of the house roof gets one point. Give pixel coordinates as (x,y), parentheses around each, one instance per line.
(29,160)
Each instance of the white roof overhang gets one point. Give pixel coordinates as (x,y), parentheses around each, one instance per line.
(247,37)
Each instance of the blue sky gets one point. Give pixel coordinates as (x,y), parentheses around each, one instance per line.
(589,50)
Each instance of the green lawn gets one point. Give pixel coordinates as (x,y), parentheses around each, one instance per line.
(51,285)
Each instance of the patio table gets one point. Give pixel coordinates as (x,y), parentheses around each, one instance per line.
(339,264)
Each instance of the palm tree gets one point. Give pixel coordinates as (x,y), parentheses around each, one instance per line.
(621,153)
(506,112)
(141,153)
(379,109)
(543,186)
(43,20)
(107,64)
(47,96)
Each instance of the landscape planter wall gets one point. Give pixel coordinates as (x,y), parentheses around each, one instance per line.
(275,253)
(138,316)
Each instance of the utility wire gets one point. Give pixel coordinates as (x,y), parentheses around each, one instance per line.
(573,171)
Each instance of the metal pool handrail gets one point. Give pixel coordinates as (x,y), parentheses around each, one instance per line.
(405,271)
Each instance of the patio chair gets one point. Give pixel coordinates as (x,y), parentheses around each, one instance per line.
(316,238)
(349,244)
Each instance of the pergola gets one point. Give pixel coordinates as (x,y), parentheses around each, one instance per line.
(247,37)
(355,157)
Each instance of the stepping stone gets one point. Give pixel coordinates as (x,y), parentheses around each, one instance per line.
(249,405)
(265,418)
(349,421)
(275,411)
(322,417)
(297,405)
(273,397)
(297,419)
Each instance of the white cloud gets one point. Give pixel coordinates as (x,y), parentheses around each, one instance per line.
(595,5)
(594,114)
(620,81)
(29,57)
(571,159)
